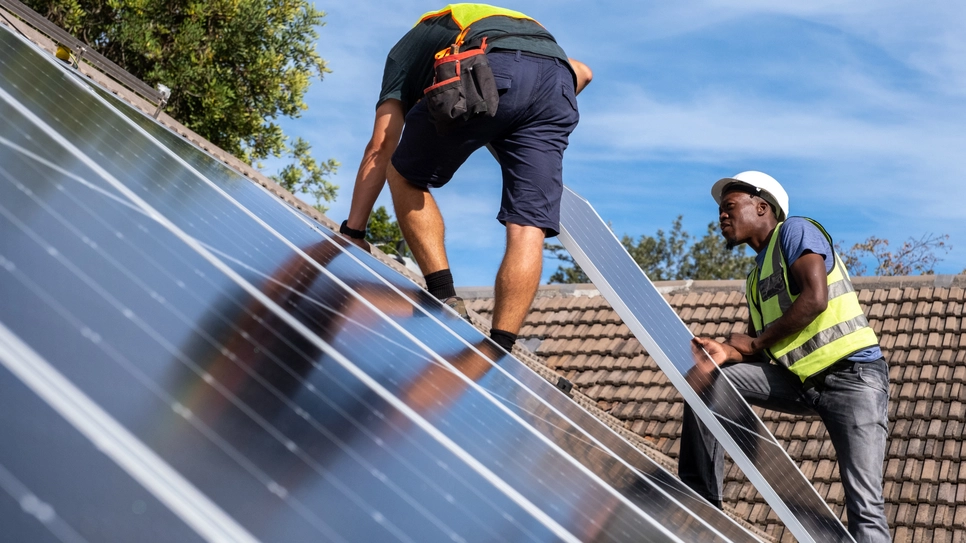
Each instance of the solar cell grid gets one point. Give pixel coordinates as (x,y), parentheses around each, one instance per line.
(203,417)
(116,390)
(63,477)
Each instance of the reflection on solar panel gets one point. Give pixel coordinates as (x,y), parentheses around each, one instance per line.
(184,357)
(652,320)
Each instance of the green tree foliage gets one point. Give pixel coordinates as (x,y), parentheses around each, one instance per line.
(306,176)
(384,233)
(662,256)
(569,273)
(667,256)
(234,66)
(914,256)
(710,258)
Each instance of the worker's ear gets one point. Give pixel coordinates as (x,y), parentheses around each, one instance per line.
(763,207)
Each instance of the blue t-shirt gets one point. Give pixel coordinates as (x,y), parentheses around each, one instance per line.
(798,236)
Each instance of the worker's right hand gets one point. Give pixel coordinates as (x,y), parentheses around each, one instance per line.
(719,352)
(361,243)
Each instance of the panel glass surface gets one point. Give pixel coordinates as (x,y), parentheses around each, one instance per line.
(277,434)
(64,487)
(248,401)
(652,320)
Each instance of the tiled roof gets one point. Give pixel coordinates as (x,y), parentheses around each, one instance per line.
(573,331)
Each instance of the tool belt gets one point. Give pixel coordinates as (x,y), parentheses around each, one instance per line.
(463,86)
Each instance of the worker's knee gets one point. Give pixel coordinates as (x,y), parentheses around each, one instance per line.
(524,234)
(399,185)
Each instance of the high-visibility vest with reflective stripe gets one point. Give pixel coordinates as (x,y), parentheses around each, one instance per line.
(466,14)
(837,332)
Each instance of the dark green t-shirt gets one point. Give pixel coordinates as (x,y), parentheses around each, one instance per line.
(409,65)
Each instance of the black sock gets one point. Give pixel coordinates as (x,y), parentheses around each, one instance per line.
(440,284)
(503,338)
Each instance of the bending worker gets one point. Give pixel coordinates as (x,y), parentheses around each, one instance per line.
(536,84)
(811,350)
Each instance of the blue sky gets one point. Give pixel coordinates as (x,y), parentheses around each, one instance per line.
(857,107)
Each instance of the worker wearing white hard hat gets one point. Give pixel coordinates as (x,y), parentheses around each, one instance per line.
(761,183)
(809,349)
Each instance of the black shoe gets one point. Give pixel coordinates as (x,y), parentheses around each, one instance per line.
(456,304)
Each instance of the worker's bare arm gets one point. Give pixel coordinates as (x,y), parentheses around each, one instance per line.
(809,273)
(583,73)
(371,176)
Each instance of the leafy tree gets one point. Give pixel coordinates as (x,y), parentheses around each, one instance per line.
(667,256)
(710,258)
(383,232)
(306,176)
(565,274)
(660,257)
(234,66)
(914,256)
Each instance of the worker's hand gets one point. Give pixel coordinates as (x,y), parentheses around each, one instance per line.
(719,352)
(702,375)
(743,344)
(361,243)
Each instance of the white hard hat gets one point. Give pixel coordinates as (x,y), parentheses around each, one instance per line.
(765,185)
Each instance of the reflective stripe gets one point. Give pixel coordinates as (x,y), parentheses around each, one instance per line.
(836,333)
(823,338)
(817,361)
(839,288)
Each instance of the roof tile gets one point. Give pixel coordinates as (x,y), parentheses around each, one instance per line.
(920,331)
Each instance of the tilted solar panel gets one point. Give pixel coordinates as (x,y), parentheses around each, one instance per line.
(714,399)
(243,377)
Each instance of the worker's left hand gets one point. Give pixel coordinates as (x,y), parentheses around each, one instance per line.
(742,343)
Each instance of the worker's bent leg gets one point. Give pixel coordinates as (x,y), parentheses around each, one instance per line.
(701,461)
(854,404)
(420,221)
(519,276)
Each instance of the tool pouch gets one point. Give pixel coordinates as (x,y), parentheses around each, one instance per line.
(463,87)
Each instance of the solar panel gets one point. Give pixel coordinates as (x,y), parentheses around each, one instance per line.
(228,371)
(714,399)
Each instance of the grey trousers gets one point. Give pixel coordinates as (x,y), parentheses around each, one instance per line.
(852,402)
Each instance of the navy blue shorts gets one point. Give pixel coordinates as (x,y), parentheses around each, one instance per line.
(531,130)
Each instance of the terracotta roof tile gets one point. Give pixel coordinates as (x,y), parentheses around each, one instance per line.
(920,331)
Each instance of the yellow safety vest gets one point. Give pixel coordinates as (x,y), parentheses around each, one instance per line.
(466,14)
(837,332)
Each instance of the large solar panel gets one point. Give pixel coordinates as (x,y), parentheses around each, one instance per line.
(714,399)
(182,356)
